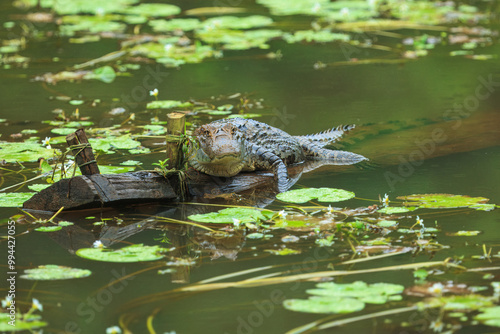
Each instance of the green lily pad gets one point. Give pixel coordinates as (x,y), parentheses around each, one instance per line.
(27,151)
(321,36)
(344,298)
(234,22)
(444,200)
(116,169)
(483,207)
(237,39)
(92,24)
(466,233)
(65,223)
(175,24)
(333,305)
(283,251)
(489,316)
(38,187)
(395,209)
(255,235)
(13,200)
(168,104)
(23,322)
(227,216)
(322,194)
(64,7)
(387,223)
(63,131)
(134,253)
(110,143)
(153,10)
(131,163)
(459,303)
(54,272)
(52,228)
(373,293)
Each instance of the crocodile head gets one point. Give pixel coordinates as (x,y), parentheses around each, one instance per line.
(220,151)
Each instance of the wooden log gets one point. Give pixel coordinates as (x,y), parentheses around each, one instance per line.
(175,129)
(102,190)
(84,157)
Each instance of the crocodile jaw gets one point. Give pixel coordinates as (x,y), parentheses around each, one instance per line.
(227,165)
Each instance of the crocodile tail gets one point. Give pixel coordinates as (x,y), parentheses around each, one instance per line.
(326,137)
(335,157)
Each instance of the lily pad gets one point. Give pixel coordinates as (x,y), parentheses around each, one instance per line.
(13,200)
(110,143)
(444,200)
(27,151)
(134,253)
(63,7)
(490,316)
(376,293)
(153,10)
(54,272)
(168,104)
(23,322)
(52,228)
(344,298)
(333,305)
(322,194)
(395,209)
(227,216)
(38,187)
(234,22)
(284,251)
(175,24)
(321,36)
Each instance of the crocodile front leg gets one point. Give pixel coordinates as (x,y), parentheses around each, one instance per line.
(262,159)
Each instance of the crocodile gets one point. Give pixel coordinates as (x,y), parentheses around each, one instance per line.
(229,146)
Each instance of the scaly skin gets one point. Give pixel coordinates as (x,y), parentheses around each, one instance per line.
(229,146)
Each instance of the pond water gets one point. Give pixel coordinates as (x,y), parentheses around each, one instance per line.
(429,124)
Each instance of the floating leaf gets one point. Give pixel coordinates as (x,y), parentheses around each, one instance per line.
(29,150)
(226,216)
(396,209)
(23,322)
(134,253)
(344,298)
(153,9)
(54,272)
(115,169)
(443,200)
(175,24)
(322,194)
(332,305)
(255,235)
(233,22)
(168,104)
(387,223)
(38,187)
(65,223)
(110,143)
(283,251)
(321,36)
(466,233)
(48,228)
(489,316)
(12,200)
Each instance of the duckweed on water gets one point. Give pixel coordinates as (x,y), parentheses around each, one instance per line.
(134,253)
(54,272)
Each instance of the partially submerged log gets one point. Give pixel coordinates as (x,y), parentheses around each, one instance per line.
(102,190)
